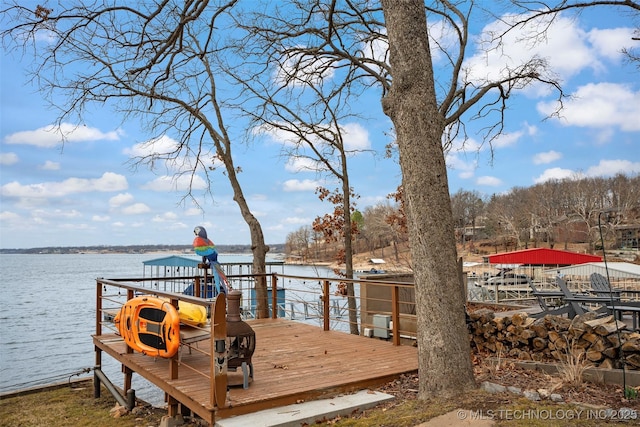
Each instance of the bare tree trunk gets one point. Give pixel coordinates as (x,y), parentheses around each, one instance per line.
(348,251)
(258,247)
(443,341)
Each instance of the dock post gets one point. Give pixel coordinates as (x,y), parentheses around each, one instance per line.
(131,399)
(96,384)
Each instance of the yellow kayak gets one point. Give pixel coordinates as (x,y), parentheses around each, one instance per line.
(192,314)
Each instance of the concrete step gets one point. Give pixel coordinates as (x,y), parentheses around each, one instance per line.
(308,412)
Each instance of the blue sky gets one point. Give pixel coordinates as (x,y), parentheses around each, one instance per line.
(85,192)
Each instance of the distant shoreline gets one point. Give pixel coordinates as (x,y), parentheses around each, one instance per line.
(135,249)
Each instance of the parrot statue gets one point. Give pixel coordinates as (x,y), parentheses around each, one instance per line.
(204,247)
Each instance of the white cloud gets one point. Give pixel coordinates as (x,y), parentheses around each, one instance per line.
(56,214)
(51,136)
(136,209)
(100,218)
(159,147)
(354,136)
(275,227)
(531,130)
(165,217)
(466,168)
(45,35)
(566,48)
(604,136)
(301,164)
(598,105)
(50,166)
(546,157)
(75,227)
(376,48)
(610,42)
(177,225)
(605,168)
(276,134)
(8,159)
(468,145)
(489,181)
(554,173)
(165,152)
(120,200)
(296,220)
(506,139)
(180,183)
(297,185)
(613,167)
(193,211)
(298,70)
(7,216)
(108,182)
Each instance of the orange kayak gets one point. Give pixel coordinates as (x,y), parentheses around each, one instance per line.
(150,326)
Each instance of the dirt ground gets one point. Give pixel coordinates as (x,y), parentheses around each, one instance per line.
(76,406)
(508,374)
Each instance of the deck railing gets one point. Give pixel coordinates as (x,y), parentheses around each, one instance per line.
(379,309)
(111,294)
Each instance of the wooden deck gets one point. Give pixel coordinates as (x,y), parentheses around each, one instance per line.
(292,362)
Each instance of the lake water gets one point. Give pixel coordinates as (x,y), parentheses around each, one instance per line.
(48,316)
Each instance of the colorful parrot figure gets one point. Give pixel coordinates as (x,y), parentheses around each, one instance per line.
(204,247)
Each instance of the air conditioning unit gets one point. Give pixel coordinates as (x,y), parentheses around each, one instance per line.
(381,326)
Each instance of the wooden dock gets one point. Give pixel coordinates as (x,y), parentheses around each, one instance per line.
(293,362)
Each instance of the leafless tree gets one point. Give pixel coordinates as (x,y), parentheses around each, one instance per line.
(377,231)
(546,211)
(574,209)
(466,206)
(298,243)
(153,62)
(294,94)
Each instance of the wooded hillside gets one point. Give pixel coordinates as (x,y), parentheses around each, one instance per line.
(571,214)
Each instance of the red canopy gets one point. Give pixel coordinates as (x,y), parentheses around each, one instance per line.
(542,256)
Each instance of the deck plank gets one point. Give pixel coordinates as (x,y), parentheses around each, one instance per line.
(293,361)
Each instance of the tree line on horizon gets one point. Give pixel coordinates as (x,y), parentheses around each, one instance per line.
(554,213)
(133,249)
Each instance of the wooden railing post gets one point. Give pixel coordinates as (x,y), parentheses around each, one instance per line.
(395,313)
(219,351)
(274,297)
(325,304)
(196,286)
(212,352)
(98,351)
(98,307)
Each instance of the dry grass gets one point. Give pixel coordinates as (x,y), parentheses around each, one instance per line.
(573,366)
(76,406)
(69,406)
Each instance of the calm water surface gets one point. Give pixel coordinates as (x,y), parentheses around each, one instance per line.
(48,316)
